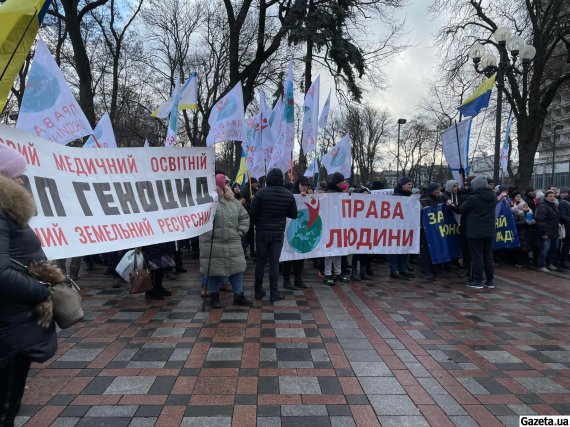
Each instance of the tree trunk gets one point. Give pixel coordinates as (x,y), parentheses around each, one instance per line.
(82,64)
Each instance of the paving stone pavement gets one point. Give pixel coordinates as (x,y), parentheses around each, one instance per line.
(379,352)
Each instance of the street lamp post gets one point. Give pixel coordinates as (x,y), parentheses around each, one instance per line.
(554,129)
(488,62)
(400,123)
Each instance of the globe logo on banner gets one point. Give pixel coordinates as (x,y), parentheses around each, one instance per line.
(338,157)
(227,108)
(42,90)
(304,233)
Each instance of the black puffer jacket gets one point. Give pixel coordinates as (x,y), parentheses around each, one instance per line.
(547,219)
(19,332)
(479,208)
(273,204)
(399,191)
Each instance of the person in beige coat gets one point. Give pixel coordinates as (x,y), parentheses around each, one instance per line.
(221,251)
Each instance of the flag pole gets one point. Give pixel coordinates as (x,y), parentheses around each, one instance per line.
(461,170)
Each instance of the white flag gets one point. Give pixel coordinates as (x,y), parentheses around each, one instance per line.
(275,119)
(49,109)
(284,144)
(188,99)
(455,140)
(227,122)
(103,133)
(311,117)
(326,110)
(172,133)
(313,167)
(339,158)
(146,144)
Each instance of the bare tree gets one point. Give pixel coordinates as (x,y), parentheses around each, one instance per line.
(545,25)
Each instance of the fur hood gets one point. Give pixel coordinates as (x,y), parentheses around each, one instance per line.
(16,203)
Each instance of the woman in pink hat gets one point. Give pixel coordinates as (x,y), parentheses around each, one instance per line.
(27,331)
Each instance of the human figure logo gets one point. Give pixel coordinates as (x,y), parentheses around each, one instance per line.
(304,233)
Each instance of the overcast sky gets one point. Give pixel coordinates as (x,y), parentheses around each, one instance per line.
(409,73)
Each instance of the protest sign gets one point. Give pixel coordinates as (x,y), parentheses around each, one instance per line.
(442,233)
(96,201)
(505,227)
(342,224)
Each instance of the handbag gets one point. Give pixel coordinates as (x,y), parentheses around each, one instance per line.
(562,232)
(139,280)
(67,302)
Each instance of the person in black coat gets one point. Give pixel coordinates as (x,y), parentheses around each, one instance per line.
(22,339)
(479,210)
(529,197)
(271,207)
(548,220)
(399,263)
(564,208)
(300,186)
(432,197)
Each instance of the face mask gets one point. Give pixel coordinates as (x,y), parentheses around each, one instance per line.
(344,186)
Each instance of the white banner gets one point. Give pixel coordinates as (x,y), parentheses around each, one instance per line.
(49,109)
(342,224)
(104,134)
(227,122)
(96,201)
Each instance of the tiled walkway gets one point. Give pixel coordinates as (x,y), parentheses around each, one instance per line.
(386,352)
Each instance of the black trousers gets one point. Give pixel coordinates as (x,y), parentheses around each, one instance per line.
(481,259)
(296,266)
(268,245)
(13,374)
(157,276)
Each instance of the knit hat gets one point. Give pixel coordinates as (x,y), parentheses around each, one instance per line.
(12,163)
(221,180)
(335,178)
(404,180)
(432,186)
(450,184)
(479,182)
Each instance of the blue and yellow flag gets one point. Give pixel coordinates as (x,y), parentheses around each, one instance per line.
(19,24)
(242,169)
(480,99)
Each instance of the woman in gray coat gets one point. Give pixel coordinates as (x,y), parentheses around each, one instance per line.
(221,251)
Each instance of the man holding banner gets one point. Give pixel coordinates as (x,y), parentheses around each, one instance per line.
(479,209)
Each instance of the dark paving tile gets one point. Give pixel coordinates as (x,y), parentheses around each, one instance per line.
(330,385)
(162,385)
(148,411)
(269,411)
(75,411)
(268,385)
(309,421)
(98,385)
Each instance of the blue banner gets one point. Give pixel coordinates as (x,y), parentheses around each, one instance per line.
(442,233)
(505,227)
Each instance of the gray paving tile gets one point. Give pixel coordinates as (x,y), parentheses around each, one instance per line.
(143,422)
(521,409)
(168,332)
(541,385)
(355,344)
(130,385)
(268,422)
(222,354)
(461,421)
(80,355)
(362,355)
(498,356)
(299,385)
(393,404)
(342,422)
(303,410)
(432,386)
(289,332)
(206,422)
(62,422)
(371,369)
(112,411)
(403,421)
(381,385)
(449,405)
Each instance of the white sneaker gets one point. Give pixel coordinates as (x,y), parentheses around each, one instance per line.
(544,270)
(552,267)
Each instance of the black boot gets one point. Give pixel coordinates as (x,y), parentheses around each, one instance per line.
(240,299)
(215,300)
(299,282)
(287,284)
